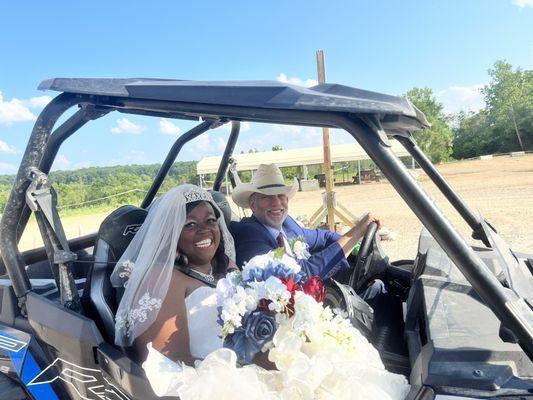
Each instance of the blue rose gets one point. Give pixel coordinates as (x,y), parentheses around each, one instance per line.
(258,329)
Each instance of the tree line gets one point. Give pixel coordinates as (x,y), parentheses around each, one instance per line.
(505,124)
(87,184)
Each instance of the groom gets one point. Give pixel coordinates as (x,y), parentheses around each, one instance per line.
(271,227)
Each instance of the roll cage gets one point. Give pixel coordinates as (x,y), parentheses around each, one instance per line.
(371,118)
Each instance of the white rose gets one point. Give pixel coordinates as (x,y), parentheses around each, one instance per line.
(291,263)
(230,313)
(251,300)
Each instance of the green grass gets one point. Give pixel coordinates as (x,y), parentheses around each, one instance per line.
(95,209)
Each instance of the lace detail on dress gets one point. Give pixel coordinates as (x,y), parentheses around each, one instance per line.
(126,268)
(126,321)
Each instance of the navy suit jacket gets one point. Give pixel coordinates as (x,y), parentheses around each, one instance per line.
(327,257)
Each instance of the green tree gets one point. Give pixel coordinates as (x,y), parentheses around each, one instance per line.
(506,123)
(436,142)
(276,147)
(509,99)
(473,135)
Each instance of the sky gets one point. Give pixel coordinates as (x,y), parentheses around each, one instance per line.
(384,46)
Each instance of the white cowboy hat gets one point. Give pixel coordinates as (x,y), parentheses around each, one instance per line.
(268,180)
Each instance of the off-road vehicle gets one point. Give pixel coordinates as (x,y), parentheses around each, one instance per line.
(462,325)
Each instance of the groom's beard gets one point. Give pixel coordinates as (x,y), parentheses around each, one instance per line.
(275,218)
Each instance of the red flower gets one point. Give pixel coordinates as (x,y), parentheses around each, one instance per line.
(315,288)
(263,304)
(292,287)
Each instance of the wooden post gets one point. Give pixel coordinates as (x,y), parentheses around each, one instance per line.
(327,149)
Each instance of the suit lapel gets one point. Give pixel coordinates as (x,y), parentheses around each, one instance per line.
(265,231)
(288,229)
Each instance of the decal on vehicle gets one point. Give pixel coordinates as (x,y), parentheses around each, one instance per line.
(23,362)
(16,345)
(131,229)
(11,344)
(76,376)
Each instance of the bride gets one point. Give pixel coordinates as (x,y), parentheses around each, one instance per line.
(169,271)
(169,315)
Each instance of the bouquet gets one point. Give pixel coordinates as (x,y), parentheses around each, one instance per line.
(271,306)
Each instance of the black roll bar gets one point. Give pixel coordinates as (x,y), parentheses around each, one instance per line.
(17,198)
(86,113)
(171,157)
(445,188)
(228,151)
(510,309)
(38,254)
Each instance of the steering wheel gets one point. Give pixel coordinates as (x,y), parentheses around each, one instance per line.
(362,262)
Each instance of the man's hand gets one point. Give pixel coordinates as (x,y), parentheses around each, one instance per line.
(350,238)
(363,223)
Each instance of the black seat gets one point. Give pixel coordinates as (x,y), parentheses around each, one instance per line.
(229,216)
(223,204)
(99,297)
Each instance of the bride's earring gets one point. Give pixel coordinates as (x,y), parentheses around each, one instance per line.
(183,260)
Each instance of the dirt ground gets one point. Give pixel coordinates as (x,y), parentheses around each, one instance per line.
(500,188)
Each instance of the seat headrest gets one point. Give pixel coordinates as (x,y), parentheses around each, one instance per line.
(223,204)
(120,227)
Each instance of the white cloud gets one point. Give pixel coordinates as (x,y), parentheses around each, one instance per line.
(340,136)
(205,145)
(132,157)
(61,162)
(301,133)
(201,142)
(82,164)
(14,111)
(287,130)
(220,144)
(297,81)
(5,148)
(124,125)
(6,168)
(37,102)
(461,98)
(523,3)
(166,127)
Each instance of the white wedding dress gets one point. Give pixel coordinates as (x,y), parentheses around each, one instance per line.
(320,377)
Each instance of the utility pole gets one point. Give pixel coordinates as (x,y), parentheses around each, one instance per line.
(327,149)
(330,204)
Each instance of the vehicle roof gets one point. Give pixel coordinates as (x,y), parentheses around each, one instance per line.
(327,97)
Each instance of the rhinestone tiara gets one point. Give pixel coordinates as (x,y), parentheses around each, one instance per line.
(196,194)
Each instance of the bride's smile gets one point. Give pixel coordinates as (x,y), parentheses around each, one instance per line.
(204,243)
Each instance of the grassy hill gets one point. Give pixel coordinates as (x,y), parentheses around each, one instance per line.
(101,187)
